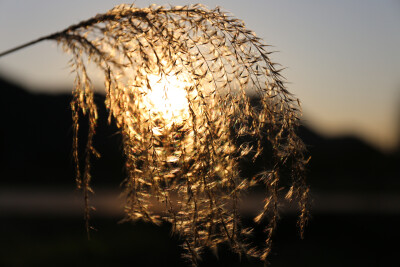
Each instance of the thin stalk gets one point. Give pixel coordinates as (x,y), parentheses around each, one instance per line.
(48,37)
(82,24)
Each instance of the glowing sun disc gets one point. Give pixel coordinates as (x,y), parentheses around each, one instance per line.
(167,97)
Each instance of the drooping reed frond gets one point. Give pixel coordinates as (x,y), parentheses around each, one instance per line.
(178,83)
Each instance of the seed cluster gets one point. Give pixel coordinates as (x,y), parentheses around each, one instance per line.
(188,163)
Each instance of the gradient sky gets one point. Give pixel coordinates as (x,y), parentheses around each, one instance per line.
(343,56)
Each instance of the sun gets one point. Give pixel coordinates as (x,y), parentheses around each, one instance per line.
(166,97)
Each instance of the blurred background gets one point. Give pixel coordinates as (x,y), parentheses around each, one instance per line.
(342,62)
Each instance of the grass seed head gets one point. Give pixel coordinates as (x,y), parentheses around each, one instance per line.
(189,160)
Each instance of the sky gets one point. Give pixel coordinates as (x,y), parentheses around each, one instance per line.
(342,56)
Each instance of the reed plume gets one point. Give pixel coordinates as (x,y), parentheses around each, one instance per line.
(187,159)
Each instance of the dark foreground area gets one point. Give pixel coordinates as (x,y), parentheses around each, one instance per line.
(331,240)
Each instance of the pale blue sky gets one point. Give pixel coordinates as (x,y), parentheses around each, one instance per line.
(342,56)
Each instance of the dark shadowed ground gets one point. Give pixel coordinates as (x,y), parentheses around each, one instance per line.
(331,240)
(355,217)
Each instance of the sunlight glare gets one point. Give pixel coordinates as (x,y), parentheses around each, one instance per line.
(167,98)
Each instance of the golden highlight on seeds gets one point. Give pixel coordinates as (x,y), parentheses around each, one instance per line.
(179,83)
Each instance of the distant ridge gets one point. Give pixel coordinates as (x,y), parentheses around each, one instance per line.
(36,139)
(36,148)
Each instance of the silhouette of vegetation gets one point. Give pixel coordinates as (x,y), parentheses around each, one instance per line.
(177,85)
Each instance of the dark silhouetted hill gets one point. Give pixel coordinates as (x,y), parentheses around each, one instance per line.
(36,148)
(36,140)
(348,164)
